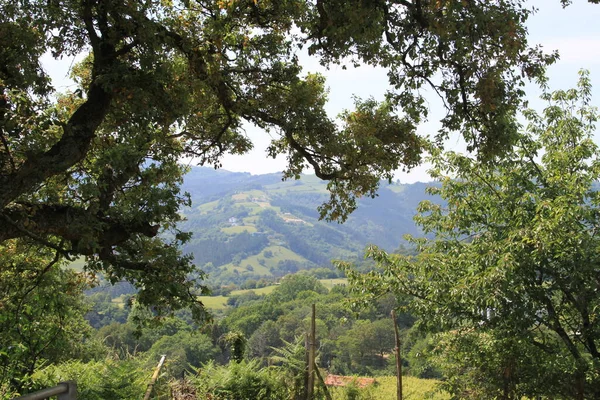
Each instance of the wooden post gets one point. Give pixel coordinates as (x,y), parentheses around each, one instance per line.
(307,360)
(398,359)
(327,395)
(154,378)
(311,356)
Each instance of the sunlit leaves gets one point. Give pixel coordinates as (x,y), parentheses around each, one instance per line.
(515,253)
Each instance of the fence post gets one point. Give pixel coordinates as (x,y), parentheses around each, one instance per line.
(307,360)
(311,355)
(71,393)
(398,359)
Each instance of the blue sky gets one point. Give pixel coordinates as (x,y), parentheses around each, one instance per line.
(574,32)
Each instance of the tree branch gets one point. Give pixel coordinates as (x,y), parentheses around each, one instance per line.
(70,149)
(87,233)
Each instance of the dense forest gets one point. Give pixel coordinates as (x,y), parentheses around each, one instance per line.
(263,333)
(133,275)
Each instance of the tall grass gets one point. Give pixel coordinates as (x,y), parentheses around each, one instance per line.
(385,389)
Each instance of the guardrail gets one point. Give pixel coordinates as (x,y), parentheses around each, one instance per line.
(64,391)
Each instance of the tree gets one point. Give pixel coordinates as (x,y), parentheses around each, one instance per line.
(263,340)
(94,172)
(42,310)
(236,341)
(366,344)
(512,274)
(183,350)
(103,311)
(292,285)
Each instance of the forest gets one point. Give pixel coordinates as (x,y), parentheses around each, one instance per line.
(119,275)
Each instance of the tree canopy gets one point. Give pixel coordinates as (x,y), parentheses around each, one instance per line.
(511,276)
(94,171)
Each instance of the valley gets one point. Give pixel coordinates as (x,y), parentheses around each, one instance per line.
(257,227)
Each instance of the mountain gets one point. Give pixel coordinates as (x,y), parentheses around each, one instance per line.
(258,226)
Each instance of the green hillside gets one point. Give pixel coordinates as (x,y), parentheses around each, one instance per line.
(257,226)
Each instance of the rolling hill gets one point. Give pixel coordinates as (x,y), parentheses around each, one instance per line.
(258,226)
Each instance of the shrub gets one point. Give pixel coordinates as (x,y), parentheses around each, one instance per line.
(98,380)
(243,380)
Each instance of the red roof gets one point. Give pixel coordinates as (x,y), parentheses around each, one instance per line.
(339,380)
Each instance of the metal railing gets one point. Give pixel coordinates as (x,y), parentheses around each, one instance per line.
(64,391)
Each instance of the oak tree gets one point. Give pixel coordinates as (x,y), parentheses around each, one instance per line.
(94,171)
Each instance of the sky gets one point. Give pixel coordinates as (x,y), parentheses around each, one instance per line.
(573,31)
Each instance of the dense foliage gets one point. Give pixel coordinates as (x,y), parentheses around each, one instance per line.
(511,277)
(41,313)
(258,347)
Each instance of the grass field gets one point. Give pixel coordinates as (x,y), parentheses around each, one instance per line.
(280,253)
(234,230)
(119,301)
(385,389)
(250,220)
(252,207)
(219,303)
(206,207)
(214,303)
(249,195)
(77,265)
(259,291)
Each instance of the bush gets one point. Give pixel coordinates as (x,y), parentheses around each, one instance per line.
(184,349)
(243,380)
(98,380)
